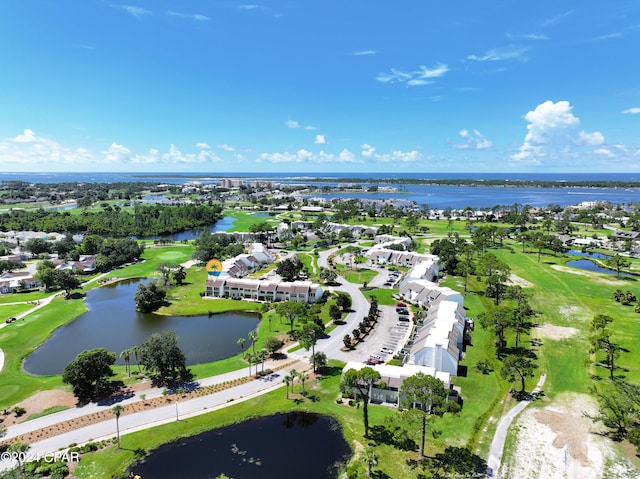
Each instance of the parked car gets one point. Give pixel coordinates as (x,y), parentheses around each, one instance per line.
(386,350)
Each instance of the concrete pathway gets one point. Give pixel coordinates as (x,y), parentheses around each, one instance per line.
(174,410)
(500,436)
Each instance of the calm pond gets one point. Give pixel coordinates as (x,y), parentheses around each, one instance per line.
(591,266)
(283,445)
(113,323)
(588,254)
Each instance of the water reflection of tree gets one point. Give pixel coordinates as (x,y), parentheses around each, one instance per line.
(302,419)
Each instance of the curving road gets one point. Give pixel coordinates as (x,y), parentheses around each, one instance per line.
(149,418)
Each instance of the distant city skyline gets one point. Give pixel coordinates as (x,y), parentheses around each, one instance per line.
(320,86)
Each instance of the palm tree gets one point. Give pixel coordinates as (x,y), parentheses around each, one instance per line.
(370,458)
(136,351)
(240,342)
(117,410)
(293,374)
(126,355)
(249,357)
(287,380)
(302,376)
(253,337)
(262,354)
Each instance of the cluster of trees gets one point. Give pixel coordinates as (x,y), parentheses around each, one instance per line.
(8,266)
(86,191)
(110,252)
(90,373)
(518,362)
(218,246)
(619,399)
(52,278)
(601,341)
(151,297)
(142,220)
(422,398)
(290,268)
(364,325)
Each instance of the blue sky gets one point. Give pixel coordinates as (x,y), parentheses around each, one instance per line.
(320,86)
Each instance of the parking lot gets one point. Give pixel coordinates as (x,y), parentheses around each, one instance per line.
(387,338)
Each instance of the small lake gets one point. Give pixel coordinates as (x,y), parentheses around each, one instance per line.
(113,323)
(591,266)
(223,225)
(282,445)
(588,254)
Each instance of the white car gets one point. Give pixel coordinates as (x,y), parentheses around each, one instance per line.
(386,350)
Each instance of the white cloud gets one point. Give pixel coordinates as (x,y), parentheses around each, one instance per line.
(421,76)
(604,152)
(294,124)
(632,111)
(553,137)
(367,150)
(359,53)
(248,7)
(556,19)
(347,157)
(320,140)
(528,36)
(116,153)
(226,147)
(305,156)
(136,11)
(505,53)
(27,137)
(592,139)
(190,16)
(473,141)
(203,145)
(397,156)
(28,149)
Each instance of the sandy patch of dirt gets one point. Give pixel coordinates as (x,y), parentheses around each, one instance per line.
(601,278)
(574,313)
(556,332)
(559,442)
(567,269)
(39,402)
(516,280)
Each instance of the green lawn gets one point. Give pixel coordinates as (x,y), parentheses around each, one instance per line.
(21,338)
(243,220)
(8,310)
(357,275)
(383,296)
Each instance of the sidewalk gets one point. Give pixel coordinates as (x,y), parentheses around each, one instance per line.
(210,400)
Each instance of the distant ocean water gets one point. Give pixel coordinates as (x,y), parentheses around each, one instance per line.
(432,195)
(182,177)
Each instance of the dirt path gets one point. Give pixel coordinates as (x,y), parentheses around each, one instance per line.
(497,445)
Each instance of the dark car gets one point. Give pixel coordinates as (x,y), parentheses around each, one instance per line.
(11,320)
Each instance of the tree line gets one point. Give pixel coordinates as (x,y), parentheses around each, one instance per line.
(142,220)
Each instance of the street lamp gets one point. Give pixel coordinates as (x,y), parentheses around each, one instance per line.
(176,410)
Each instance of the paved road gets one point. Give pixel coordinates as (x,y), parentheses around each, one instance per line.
(333,344)
(150,418)
(497,445)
